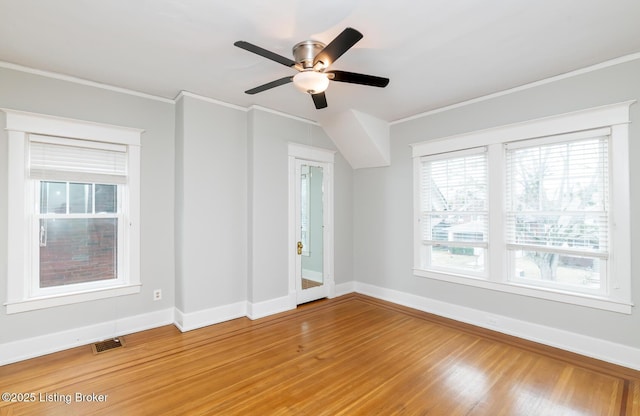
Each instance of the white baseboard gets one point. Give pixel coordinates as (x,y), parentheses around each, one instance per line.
(344,289)
(600,349)
(23,349)
(271,307)
(582,344)
(194,320)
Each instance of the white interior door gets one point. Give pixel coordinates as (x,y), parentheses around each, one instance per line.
(311,206)
(310,223)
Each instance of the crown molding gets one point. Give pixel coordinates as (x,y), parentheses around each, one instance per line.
(280,113)
(82,81)
(208,100)
(581,71)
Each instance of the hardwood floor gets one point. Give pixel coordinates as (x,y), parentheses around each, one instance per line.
(352,355)
(308,284)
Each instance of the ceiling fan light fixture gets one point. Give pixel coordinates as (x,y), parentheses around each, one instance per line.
(311,59)
(311,82)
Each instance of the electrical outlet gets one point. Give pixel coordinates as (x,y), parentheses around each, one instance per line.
(157,294)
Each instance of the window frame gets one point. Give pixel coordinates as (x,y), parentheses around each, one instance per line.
(122,237)
(426,254)
(616,117)
(512,247)
(21,294)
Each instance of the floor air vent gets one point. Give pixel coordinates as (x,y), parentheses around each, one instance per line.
(107,345)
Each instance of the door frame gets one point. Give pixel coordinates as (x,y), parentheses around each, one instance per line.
(325,158)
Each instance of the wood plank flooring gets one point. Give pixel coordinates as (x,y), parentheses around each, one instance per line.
(352,355)
(308,283)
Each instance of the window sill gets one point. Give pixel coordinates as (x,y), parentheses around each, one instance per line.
(68,299)
(541,293)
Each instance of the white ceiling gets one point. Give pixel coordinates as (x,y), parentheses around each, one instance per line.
(436,52)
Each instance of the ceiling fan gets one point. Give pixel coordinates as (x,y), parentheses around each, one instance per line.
(312,58)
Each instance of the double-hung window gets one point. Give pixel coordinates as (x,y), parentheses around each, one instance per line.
(454,214)
(74,211)
(539,208)
(557,211)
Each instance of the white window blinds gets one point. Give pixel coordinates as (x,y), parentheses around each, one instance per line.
(557,194)
(57,158)
(454,199)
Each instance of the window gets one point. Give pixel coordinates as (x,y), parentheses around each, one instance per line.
(536,208)
(454,211)
(74,233)
(557,220)
(78,225)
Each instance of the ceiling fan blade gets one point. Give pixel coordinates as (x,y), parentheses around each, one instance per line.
(269,85)
(334,50)
(320,100)
(264,53)
(353,78)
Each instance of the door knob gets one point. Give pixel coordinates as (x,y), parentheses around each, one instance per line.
(300,247)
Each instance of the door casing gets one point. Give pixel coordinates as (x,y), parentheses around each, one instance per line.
(312,156)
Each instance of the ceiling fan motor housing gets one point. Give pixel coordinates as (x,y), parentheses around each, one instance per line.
(304,52)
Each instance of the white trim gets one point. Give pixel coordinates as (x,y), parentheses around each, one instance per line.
(16,306)
(81,81)
(600,349)
(173,101)
(620,239)
(316,154)
(18,248)
(20,124)
(271,307)
(76,80)
(614,117)
(184,93)
(560,138)
(47,125)
(280,113)
(187,321)
(591,118)
(571,74)
(62,141)
(534,292)
(472,151)
(341,289)
(297,154)
(24,349)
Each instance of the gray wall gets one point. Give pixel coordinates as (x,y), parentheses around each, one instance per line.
(203,160)
(268,203)
(216,174)
(211,205)
(384,197)
(28,92)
